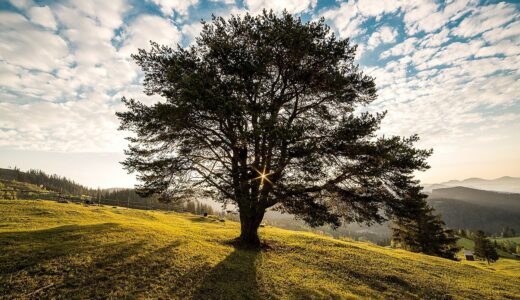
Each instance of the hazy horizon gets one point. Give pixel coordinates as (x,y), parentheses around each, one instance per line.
(115,177)
(449,72)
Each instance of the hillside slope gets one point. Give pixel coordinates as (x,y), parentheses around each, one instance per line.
(52,250)
(507,201)
(503,184)
(474,209)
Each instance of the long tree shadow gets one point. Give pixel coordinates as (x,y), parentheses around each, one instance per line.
(233,278)
(128,272)
(29,248)
(80,261)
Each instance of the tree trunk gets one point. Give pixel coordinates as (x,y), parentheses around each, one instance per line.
(249,223)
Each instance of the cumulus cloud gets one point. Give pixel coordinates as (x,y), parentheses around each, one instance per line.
(148,28)
(65,66)
(292,6)
(70,126)
(190,31)
(443,81)
(229,2)
(418,15)
(42,15)
(170,6)
(486,18)
(377,8)
(436,39)
(423,16)
(403,48)
(22,4)
(346,19)
(19,40)
(383,35)
(511,32)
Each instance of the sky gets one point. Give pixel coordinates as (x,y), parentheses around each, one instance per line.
(446,70)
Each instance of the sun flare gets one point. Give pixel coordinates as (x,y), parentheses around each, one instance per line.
(262,175)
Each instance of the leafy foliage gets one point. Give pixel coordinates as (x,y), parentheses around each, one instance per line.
(261,112)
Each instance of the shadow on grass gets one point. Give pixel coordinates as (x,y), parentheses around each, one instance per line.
(29,248)
(80,261)
(233,278)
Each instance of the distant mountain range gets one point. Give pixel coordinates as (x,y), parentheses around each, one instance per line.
(503,184)
(474,209)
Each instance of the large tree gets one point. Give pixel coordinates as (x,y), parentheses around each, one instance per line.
(264,111)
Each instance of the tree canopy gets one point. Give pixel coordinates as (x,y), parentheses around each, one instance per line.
(418,229)
(265,111)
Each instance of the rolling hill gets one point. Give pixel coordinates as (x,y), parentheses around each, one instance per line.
(54,250)
(474,209)
(506,201)
(460,207)
(505,184)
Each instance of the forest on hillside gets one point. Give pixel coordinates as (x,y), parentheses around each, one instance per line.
(68,189)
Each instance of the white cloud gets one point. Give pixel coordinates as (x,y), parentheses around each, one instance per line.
(42,15)
(376,8)
(511,32)
(423,16)
(191,31)
(73,126)
(453,84)
(22,4)
(292,6)
(383,35)
(345,19)
(428,16)
(179,6)
(26,45)
(448,55)
(64,67)
(148,28)
(507,48)
(108,14)
(486,18)
(403,48)
(228,2)
(436,39)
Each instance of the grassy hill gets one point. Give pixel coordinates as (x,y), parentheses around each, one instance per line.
(53,250)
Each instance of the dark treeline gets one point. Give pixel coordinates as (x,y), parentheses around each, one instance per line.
(64,188)
(53,182)
(129,198)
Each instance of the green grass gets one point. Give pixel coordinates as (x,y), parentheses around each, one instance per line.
(470,245)
(76,251)
(20,186)
(515,239)
(506,264)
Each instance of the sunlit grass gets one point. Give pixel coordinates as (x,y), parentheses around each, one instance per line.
(77,251)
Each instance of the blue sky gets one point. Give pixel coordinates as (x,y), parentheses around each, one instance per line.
(447,70)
